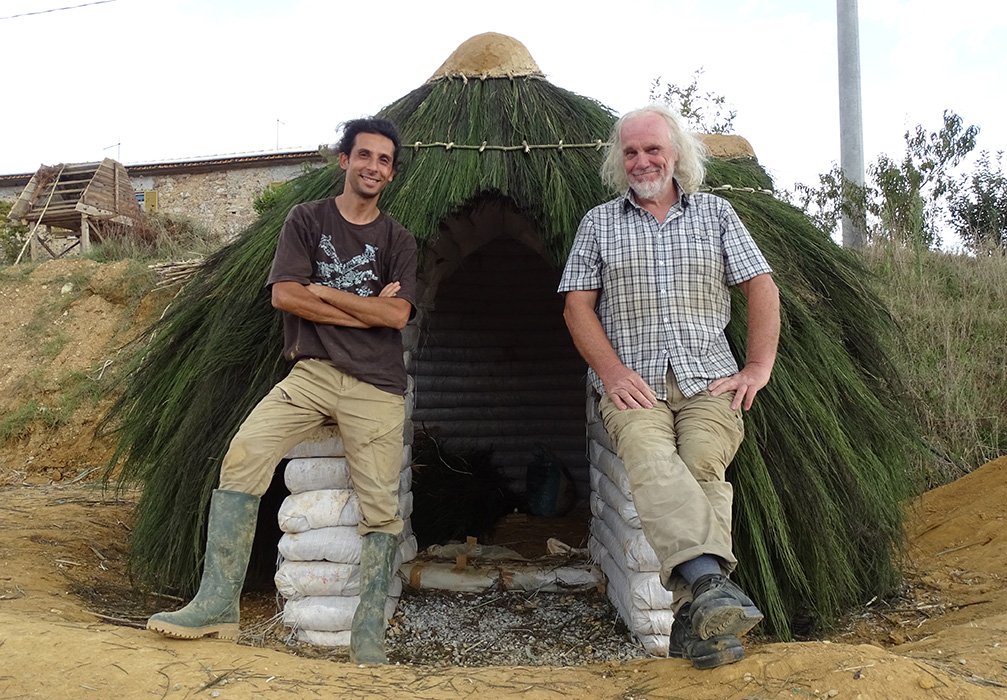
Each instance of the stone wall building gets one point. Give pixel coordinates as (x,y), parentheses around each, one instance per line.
(216,193)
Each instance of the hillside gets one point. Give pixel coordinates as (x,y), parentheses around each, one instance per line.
(65,323)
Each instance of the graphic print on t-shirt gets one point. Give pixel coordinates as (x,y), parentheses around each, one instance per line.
(350,276)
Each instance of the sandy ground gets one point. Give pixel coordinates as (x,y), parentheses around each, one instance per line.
(70,620)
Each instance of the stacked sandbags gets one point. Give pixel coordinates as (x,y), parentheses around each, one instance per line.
(618,545)
(318,570)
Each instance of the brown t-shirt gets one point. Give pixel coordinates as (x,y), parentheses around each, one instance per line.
(318,246)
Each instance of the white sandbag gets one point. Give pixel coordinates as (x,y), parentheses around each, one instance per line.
(326,613)
(627,545)
(596,433)
(323,639)
(610,465)
(340,545)
(300,512)
(655,644)
(408,546)
(614,498)
(639,620)
(321,473)
(322,442)
(645,589)
(304,579)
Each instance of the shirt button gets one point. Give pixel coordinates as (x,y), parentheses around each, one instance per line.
(665,319)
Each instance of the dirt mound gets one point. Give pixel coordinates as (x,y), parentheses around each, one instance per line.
(70,621)
(66,323)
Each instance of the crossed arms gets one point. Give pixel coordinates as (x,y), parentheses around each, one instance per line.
(335,307)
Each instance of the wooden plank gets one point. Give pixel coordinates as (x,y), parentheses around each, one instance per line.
(78,170)
(70,188)
(94,211)
(55,211)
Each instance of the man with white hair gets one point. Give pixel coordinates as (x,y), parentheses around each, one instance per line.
(647,301)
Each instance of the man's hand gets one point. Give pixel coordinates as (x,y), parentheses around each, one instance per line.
(745,384)
(627,389)
(390,290)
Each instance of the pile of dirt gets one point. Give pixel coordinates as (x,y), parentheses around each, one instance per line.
(71,620)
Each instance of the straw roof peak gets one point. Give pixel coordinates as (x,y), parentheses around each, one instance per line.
(488,55)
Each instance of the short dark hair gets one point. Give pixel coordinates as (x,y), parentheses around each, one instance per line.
(369,125)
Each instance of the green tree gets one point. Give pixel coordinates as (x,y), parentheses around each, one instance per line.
(905,200)
(909,197)
(827,202)
(705,112)
(978,208)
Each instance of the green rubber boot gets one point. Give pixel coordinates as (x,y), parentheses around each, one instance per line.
(367,634)
(215,610)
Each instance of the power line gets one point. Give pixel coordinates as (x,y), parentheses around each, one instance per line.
(57,9)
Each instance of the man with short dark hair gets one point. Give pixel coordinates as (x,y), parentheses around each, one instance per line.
(647,301)
(344,276)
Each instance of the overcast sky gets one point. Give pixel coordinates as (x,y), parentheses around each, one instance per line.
(146,81)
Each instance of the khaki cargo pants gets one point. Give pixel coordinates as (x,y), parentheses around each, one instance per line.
(676,455)
(315,392)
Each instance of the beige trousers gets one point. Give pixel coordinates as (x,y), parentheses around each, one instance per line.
(676,455)
(315,392)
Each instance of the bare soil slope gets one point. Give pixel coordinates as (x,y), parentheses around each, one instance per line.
(69,617)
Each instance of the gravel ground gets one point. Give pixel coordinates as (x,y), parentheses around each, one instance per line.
(439,628)
(443,628)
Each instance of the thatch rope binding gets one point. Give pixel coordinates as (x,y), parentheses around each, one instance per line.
(732,188)
(486,76)
(524,146)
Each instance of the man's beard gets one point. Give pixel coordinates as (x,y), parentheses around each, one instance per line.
(651,189)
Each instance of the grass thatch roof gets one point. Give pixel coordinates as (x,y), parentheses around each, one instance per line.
(820,480)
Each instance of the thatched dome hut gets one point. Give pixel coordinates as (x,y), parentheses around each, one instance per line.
(499,167)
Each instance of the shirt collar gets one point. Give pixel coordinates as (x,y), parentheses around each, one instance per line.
(629,201)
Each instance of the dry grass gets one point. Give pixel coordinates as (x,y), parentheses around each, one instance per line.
(953,311)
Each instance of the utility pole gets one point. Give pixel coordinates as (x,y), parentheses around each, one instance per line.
(851,124)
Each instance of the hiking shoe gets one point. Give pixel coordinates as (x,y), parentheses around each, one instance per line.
(703,653)
(720,607)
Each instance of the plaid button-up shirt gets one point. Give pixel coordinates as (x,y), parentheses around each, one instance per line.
(663,288)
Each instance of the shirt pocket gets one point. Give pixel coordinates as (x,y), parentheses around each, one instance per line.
(700,257)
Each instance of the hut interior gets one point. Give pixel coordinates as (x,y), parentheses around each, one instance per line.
(497,378)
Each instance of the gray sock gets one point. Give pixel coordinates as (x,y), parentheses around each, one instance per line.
(700,566)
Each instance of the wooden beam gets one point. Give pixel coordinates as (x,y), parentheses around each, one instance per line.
(85,234)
